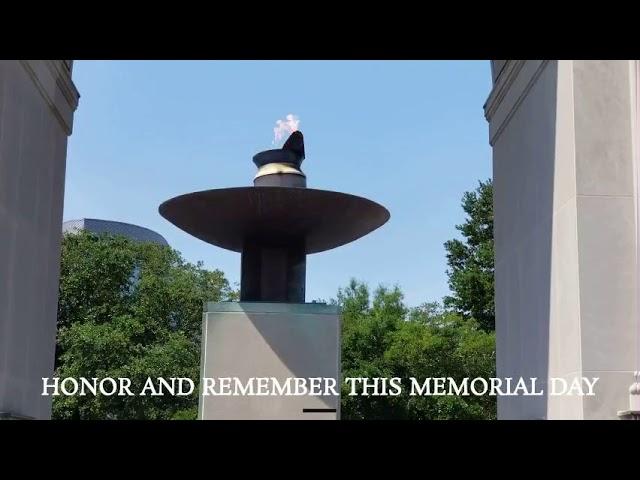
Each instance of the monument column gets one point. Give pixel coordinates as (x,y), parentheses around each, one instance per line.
(37,102)
(564,138)
(272,333)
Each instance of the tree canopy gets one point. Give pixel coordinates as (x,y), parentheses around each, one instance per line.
(129,309)
(471,260)
(382,337)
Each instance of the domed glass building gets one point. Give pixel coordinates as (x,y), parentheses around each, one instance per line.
(134,232)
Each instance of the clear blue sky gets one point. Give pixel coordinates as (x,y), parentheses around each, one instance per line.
(409,135)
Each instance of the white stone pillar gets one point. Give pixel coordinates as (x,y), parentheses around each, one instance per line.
(37,101)
(562,137)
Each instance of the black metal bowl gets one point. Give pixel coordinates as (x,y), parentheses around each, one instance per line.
(229,217)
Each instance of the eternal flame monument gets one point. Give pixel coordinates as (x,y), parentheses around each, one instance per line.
(272,332)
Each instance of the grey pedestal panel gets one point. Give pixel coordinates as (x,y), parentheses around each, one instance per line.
(247,340)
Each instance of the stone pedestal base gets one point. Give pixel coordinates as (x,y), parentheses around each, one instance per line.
(11,416)
(250,341)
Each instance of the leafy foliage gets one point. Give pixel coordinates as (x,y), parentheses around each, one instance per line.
(129,309)
(381,337)
(471,261)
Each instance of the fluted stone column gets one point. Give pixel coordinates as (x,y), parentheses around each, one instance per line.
(37,102)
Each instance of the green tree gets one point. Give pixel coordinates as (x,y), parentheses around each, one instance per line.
(471,260)
(382,337)
(129,309)
(366,334)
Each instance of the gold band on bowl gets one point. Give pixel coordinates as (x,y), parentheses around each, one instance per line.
(273,168)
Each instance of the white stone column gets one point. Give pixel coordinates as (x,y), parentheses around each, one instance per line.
(562,137)
(37,101)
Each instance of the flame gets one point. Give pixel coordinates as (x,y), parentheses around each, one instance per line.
(285,127)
